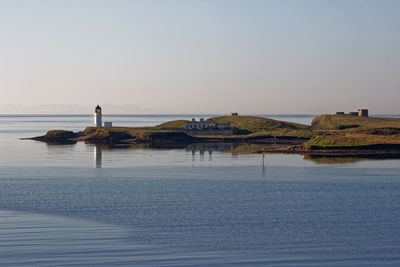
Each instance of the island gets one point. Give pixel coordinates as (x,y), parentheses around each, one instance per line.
(328,135)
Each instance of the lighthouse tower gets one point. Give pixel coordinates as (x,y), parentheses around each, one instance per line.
(97,116)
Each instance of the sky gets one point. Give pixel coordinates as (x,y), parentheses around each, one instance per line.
(207,57)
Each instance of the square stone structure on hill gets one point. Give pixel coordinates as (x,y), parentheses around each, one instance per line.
(363,112)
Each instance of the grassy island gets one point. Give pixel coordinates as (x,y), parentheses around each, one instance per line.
(345,131)
(327,132)
(343,122)
(248,127)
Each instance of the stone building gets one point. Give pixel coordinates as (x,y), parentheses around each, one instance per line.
(359,113)
(363,112)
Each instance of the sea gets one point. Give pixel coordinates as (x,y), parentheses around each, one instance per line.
(218,205)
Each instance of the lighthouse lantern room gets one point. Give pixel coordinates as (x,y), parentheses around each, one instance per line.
(97,116)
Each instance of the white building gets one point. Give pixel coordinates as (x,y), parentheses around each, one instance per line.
(97,116)
(202,124)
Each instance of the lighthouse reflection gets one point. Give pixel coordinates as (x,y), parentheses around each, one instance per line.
(97,156)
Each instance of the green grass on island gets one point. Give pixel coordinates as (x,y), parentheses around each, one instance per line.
(248,126)
(60,134)
(57,132)
(103,132)
(258,124)
(342,122)
(345,131)
(145,134)
(177,124)
(352,140)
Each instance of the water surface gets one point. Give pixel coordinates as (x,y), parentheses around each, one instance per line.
(91,205)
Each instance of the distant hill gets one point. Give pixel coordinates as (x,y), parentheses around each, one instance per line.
(341,122)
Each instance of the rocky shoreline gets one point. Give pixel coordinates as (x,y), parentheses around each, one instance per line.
(113,138)
(158,137)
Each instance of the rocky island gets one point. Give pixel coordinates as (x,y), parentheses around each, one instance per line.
(328,135)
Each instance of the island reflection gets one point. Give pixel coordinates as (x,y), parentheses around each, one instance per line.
(200,150)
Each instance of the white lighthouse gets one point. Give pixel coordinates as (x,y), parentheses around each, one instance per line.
(97,116)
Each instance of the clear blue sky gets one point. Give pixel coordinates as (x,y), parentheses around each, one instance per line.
(199,56)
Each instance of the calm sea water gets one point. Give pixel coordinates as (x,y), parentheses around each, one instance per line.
(85,205)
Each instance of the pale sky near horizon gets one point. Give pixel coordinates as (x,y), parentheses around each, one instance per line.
(265,57)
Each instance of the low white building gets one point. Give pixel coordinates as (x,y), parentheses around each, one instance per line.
(202,124)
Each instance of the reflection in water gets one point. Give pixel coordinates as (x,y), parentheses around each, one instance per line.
(263,162)
(347,160)
(222,147)
(97,156)
(207,147)
(234,149)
